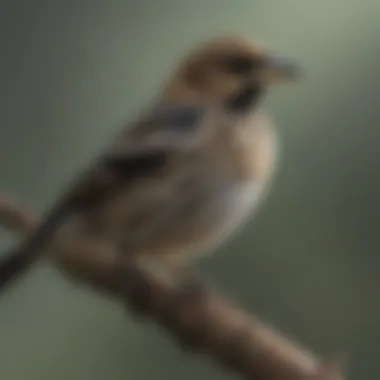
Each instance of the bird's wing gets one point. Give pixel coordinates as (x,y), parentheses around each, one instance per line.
(140,151)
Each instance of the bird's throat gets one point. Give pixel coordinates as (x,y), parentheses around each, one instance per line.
(246,99)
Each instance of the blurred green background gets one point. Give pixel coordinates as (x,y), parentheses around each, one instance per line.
(71,72)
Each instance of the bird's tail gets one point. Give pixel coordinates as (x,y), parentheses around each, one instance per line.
(18,219)
(12,267)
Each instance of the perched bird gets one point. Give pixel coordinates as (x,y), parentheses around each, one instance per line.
(182,177)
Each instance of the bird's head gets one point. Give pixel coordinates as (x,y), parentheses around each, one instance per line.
(231,71)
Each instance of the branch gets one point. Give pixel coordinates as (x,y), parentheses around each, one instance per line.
(199,318)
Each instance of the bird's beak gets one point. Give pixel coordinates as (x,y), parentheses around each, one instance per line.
(277,70)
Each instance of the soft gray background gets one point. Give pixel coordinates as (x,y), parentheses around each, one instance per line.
(72,71)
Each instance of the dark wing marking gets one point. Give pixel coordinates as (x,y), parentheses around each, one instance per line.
(116,170)
(111,174)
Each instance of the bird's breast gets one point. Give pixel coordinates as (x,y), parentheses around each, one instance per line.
(200,199)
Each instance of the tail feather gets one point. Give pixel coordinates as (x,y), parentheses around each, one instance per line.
(19,260)
(12,267)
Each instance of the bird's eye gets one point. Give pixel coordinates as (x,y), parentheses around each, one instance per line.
(241,65)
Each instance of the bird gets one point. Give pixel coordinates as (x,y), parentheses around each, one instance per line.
(183,176)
